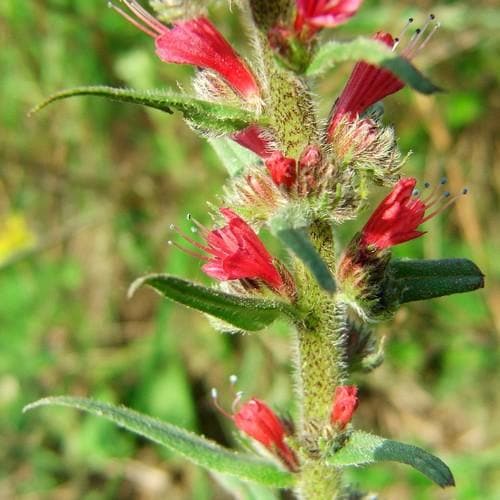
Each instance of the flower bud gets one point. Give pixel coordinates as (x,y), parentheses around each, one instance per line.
(283,170)
(345,403)
(310,157)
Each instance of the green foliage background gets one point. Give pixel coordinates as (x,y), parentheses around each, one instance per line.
(99,183)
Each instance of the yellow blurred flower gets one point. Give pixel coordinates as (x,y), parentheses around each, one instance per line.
(15,236)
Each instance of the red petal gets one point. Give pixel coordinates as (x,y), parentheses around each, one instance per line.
(199,43)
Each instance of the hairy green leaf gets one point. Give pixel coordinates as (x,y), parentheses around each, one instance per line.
(243,312)
(211,116)
(374,52)
(195,448)
(363,448)
(426,279)
(298,241)
(235,158)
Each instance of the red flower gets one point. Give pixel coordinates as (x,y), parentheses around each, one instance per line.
(252,139)
(283,170)
(312,15)
(259,422)
(369,84)
(345,403)
(238,253)
(195,42)
(397,217)
(366,85)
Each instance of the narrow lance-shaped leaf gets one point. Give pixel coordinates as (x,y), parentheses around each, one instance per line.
(243,312)
(426,279)
(363,448)
(220,118)
(195,448)
(373,52)
(298,241)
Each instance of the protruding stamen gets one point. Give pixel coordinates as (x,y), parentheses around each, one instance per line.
(236,401)
(430,201)
(397,40)
(185,237)
(214,394)
(144,15)
(233,379)
(429,36)
(196,255)
(145,21)
(433,195)
(131,20)
(204,230)
(408,50)
(416,44)
(426,25)
(442,208)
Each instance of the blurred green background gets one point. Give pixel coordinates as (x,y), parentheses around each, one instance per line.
(88,189)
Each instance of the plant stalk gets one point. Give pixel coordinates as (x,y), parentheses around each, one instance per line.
(320,368)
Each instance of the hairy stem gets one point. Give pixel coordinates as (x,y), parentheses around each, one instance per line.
(288,101)
(320,369)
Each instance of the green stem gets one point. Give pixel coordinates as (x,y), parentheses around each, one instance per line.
(319,481)
(288,102)
(320,369)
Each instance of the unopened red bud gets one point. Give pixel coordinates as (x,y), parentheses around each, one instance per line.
(310,157)
(345,403)
(283,170)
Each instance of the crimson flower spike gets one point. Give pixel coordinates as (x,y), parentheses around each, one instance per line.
(369,83)
(399,215)
(235,252)
(313,15)
(197,42)
(255,419)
